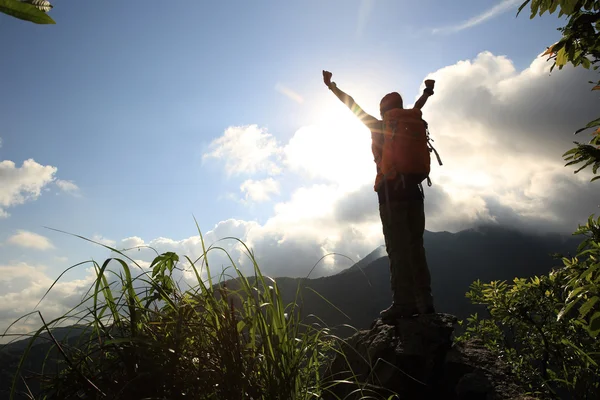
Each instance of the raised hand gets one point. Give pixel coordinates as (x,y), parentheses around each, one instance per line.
(327,77)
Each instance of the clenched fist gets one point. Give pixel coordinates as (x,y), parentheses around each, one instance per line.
(327,77)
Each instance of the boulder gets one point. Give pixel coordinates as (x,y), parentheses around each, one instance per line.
(416,358)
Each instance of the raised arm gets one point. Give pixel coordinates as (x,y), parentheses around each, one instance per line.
(365,118)
(426,93)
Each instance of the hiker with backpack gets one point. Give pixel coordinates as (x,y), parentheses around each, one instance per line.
(401,148)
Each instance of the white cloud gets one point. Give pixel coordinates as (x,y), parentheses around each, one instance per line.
(260,190)
(289,93)
(246,150)
(131,242)
(336,151)
(289,243)
(30,240)
(310,225)
(68,187)
(500,8)
(192,247)
(20,184)
(104,241)
(500,132)
(23,285)
(143,264)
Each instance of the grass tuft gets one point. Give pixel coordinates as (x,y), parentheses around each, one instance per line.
(145,337)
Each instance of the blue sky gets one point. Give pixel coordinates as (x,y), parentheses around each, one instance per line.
(128,100)
(122,98)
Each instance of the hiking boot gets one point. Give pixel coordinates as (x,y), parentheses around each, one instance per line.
(394,312)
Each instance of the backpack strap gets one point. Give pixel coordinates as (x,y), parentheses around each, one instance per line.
(429,141)
(435,151)
(431,148)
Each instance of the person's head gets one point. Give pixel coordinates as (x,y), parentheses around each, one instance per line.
(390,101)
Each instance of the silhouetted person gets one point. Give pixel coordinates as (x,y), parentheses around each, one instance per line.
(401,151)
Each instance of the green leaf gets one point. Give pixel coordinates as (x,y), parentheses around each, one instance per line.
(543,7)
(42,5)
(561,57)
(594,327)
(576,293)
(579,351)
(24,11)
(572,151)
(522,7)
(595,122)
(565,310)
(573,163)
(587,164)
(587,274)
(535,4)
(587,306)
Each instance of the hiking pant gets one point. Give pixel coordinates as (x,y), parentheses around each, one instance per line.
(403,228)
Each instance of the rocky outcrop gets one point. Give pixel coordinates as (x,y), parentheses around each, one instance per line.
(417,359)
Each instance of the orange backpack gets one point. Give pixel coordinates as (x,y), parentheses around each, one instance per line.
(406,145)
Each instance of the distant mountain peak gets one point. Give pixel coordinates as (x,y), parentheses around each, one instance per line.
(376,254)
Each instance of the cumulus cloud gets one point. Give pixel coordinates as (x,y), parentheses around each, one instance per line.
(501,133)
(142,264)
(219,249)
(68,187)
(131,242)
(336,151)
(23,285)
(104,241)
(309,226)
(20,184)
(259,190)
(246,150)
(301,231)
(30,240)
(500,8)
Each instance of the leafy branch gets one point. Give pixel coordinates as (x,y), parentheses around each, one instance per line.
(579,46)
(28,10)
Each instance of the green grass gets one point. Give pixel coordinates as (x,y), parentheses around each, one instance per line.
(149,338)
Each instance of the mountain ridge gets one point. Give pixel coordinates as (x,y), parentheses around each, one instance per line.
(355,295)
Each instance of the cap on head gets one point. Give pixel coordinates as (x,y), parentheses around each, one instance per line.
(390,101)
